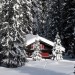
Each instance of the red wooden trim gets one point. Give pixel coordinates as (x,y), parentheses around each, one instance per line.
(45,54)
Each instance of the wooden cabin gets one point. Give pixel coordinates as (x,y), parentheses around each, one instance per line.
(45,49)
(45,45)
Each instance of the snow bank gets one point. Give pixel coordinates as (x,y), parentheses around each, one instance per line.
(43,67)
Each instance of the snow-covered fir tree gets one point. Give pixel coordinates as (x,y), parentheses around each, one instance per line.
(57,49)
(27,16)
(12,33)
(36,55)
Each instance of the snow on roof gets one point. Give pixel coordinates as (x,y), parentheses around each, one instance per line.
(30,38)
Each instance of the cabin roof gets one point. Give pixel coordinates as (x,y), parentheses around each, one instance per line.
(30,38)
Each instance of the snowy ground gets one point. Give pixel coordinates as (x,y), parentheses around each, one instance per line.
(43,67)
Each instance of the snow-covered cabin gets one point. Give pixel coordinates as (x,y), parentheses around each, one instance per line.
(45,45)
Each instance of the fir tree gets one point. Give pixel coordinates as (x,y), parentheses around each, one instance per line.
(57,50)
(10,34)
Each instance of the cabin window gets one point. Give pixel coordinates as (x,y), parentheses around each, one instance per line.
(32,46)
(41,46)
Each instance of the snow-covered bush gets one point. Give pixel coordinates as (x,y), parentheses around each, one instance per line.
(36,55)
